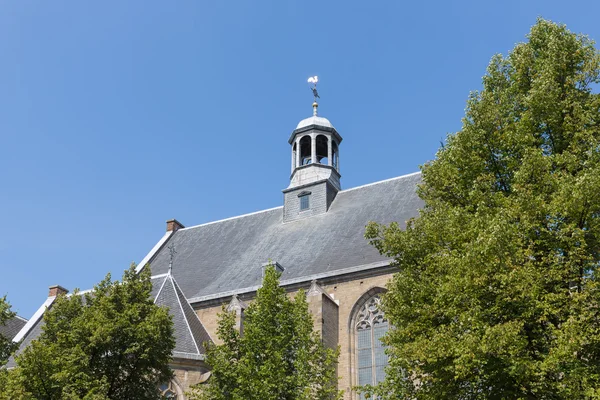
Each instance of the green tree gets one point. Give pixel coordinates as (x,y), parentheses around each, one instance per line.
(279,356)
(497,294)
(6,344)
(110,343)
(7,347)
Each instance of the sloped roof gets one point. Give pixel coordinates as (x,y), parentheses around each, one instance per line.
(189,331)
(30,331)
(314,120)
(12,327)
(190,334)
(227,255)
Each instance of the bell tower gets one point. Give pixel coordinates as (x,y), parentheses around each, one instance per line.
(315,178)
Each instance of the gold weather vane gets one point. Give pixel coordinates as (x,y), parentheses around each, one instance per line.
(312,81)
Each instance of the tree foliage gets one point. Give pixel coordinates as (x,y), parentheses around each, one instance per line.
(6,344)
(110,343)
(497,294)
(278,356)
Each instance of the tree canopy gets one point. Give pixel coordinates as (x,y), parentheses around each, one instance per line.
(6,344)
(278,356)
(497,294)
(110,343)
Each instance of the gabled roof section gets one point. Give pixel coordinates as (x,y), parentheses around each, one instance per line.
(154,250)
(10,329)
(190,334)
(226,256)
(31,330)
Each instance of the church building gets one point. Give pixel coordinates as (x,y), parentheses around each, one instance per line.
(315,238)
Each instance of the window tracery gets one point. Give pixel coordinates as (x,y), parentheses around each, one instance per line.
(168,391)
(370,327)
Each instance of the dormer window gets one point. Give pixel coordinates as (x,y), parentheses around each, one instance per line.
(304,200)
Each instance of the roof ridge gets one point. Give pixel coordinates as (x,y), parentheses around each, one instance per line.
(179,292)
(230,218)
(275,208)
(184,316)
(161,288)
(383,181)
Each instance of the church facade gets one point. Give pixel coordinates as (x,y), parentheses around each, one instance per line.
(315,239)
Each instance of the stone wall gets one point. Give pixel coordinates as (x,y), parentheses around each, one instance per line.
(333,319)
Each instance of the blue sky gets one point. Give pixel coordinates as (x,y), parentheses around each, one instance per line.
(118,115)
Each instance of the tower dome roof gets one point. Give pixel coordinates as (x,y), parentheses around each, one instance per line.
(314,120)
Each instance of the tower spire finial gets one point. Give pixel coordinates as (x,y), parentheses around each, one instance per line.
(314,80)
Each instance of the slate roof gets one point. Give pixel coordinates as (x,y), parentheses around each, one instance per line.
(12,327)
(190,334)
(32,329)
(227,255)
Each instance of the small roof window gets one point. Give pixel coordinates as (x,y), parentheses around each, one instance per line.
(304,200)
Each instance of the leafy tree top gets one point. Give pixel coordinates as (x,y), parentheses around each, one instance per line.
(111,343)
(497,292)
(277,357)
(6,344)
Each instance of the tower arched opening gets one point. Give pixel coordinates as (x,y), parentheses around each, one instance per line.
(294,156)
(335,154)
(305,150)
(322,143)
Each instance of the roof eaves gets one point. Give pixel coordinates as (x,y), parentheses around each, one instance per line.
(288,282)
(188,356)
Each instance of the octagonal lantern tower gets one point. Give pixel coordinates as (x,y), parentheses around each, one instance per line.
(315,178)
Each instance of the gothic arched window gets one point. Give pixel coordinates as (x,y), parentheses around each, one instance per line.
(370,325)
(168,391)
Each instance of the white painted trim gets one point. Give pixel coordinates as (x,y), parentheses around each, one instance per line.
(184,317)
(21,318)
(154,250)
(160,290)
(231,218)
(293,281)
(159,276)
(191,308)
(383,181)
(31,323)
(80,292)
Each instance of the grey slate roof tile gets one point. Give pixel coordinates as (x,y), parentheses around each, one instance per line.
(12,327)
(228,255)
(33,334)
(190,334)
